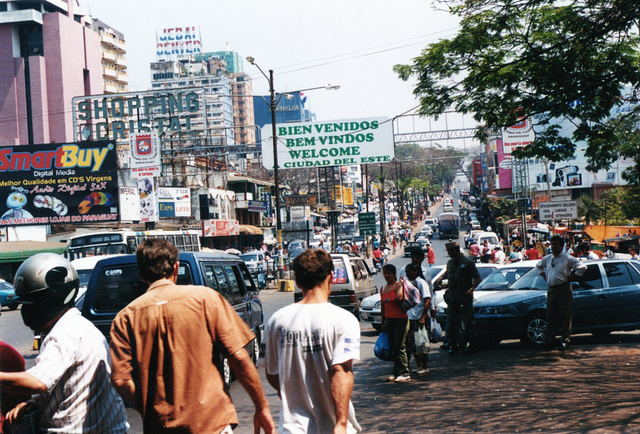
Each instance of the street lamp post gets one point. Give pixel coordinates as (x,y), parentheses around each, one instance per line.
(273,104)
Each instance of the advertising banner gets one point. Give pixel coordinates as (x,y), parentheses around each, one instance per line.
(257,206)
(504,167)
(518,135)
(174,202)
(58,183)
(129,201)
(148,200)
(220,228)
(331,143)
(145,154)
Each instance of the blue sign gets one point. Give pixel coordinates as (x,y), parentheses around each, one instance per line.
(257,206)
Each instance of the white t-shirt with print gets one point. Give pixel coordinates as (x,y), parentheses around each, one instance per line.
(303,341)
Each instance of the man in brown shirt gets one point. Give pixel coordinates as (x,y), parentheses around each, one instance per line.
(163,347)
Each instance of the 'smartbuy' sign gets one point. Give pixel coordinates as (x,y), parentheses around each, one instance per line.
(566,210)
(331,143)
(58,183)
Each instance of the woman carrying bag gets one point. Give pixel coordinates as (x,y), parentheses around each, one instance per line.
(395,323)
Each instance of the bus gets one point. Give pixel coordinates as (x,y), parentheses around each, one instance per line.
(126,241)
(347,229)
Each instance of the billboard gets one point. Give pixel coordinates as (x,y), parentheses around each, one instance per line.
(176,42)
(331,143)
(174,202)
(518,135)
(58,183)
(145,154)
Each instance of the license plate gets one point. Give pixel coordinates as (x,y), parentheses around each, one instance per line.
(364,315)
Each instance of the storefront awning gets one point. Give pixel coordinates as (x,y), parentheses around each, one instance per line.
(250,230)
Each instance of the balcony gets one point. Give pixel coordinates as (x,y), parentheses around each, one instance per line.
(109,56)
(108,72)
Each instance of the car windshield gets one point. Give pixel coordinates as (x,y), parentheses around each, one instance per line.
(501,278)
(433,271)
(84,276)
(249,257)
(530,281)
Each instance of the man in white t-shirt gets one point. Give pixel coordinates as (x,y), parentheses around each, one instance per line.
(500,257)
(310,348)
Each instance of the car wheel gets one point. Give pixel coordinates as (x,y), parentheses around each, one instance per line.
(377,327)
(13,306)
(534,330)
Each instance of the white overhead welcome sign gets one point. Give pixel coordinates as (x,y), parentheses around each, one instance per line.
(331,143)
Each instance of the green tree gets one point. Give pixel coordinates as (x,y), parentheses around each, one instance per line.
(546,59)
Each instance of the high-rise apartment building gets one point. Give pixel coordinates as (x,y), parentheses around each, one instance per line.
(49,54)
(114,58)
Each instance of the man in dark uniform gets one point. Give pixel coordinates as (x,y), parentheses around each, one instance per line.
(463,278)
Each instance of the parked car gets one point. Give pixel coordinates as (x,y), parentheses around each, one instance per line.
(371,308)
(605,299)
(114,283)
(352,282)
(410,247)
(484,270)
(498,280)
(8,295)
(84,267)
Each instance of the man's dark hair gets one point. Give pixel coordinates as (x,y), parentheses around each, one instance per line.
(414,268)
(417,253)
(156,258)
(557,239)
(311,267)
(584,247)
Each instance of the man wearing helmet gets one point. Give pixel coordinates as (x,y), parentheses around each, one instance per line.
(72,372)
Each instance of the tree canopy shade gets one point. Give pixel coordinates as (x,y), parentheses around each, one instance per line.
(555,61)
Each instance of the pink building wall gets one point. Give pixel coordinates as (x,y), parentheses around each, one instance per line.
(69,48)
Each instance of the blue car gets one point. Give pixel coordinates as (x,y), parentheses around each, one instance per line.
(8,295)
(605,299)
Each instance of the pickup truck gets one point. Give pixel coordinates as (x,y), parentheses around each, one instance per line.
(114,283)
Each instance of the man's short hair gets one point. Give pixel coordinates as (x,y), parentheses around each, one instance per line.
(156,259)
(557,239)
(417,253)
(312,267)
(414,268)
(584,247)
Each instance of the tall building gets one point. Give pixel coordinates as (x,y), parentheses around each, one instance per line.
(114,58)
(49,54)
(235,64)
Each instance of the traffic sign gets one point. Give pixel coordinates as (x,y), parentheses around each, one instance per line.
(565,210)
(367,223)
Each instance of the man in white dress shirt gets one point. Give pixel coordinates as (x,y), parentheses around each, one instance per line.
(559,269)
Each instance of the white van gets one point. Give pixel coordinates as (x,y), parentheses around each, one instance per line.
(448,207)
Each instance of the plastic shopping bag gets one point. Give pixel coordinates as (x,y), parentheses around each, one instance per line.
(412,296)
(381,349)
(422,340)
(436,331)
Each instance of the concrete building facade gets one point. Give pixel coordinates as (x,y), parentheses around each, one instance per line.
(49,54)
(114,58)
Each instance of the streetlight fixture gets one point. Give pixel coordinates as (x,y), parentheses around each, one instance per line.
(273,104)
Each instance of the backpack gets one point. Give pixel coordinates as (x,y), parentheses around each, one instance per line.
(412,296)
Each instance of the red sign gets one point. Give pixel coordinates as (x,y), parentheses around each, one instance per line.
(220,228)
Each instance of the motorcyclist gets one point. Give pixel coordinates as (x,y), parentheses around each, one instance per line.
(72,373)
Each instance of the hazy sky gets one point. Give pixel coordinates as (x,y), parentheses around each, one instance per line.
(351,43)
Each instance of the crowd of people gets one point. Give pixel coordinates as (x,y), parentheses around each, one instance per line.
(80,383)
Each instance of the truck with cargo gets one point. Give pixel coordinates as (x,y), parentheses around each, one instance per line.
(448,225)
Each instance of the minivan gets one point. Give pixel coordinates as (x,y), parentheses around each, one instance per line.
(352,282)
(114,283)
